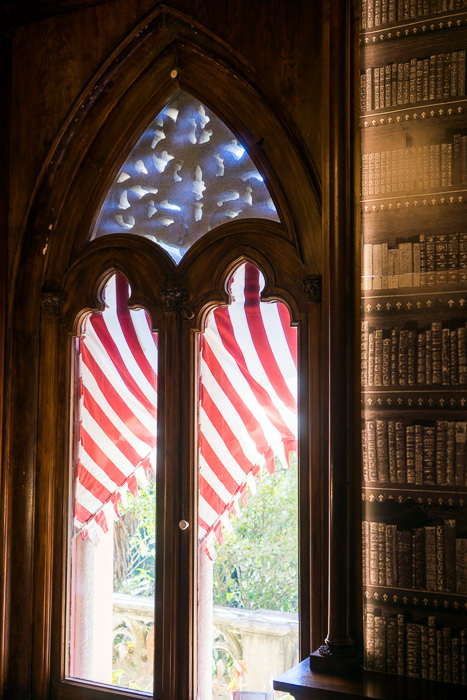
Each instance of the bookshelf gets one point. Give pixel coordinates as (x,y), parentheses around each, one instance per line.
(413,132)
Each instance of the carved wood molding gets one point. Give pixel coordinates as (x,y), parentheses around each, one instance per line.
(51,303)
(313,288)
(175,300)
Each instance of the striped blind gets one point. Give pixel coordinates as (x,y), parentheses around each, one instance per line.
(247,410)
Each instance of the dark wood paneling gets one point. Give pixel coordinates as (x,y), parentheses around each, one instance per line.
(5,55)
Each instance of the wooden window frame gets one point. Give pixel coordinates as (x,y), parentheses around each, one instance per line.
(130,89)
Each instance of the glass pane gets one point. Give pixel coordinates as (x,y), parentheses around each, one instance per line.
(186,175)
(248,494)
(111,630)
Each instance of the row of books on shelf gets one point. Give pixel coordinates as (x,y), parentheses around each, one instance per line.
(427,261)
(432,356)
(422,649)
(415,169)
(437,77)
(429,558)
(383,13)
(418,453)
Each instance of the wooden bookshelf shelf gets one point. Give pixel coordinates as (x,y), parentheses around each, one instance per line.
(420,27)
(304,684)
(425,600)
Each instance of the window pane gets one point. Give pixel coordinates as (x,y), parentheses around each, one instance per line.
(248,494)
(186,175)
(111,636)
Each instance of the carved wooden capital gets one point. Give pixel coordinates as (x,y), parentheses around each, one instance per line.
(176,300)
(51,303)
(312,287)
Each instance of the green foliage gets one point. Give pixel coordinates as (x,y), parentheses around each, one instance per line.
(135,544)
(257,566)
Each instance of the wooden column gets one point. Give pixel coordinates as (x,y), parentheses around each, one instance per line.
(5,61)
(339,652)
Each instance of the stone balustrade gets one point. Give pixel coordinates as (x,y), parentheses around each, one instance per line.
(251,645)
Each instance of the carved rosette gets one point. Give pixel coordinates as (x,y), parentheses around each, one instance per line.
(51,303)
(175,300)
(312,286)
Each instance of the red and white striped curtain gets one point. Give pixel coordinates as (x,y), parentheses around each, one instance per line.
(248,404)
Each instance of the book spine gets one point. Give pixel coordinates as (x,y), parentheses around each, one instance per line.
(451,453)
(462,354)
(447,76)
(382,451)
(450,555)
(418,455)
(394,356)
(410,453)
(373,567)
(401,644)
(391,644)
(455,668)
(387,361)
(439,655)
(419,558)
(378,363)
(432,78)
(402,364)
(461,73)
(430,259)
(380,643)
(461,571)
(364,352)
(392,458)
(439,76)
(441,253)
(453,258)
(454,65)
(447,655)
(366,552)
(436,339)
(428,356)
(459,459)
(371,451)
(391,555)
(370,640)
(440,558)
(422,241)
(424,652)
(371,358)
(441,443)
(463,656)
(381,554)
(401,467)
(432,670)
(421,358)
(446,356)
(430,558)
(404,559)
(413,650)
(412,358)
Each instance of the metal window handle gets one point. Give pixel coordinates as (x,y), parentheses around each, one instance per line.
(183,524)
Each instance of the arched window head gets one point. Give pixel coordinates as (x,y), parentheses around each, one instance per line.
(185,176)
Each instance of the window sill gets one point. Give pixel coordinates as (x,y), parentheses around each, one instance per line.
(304,684)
